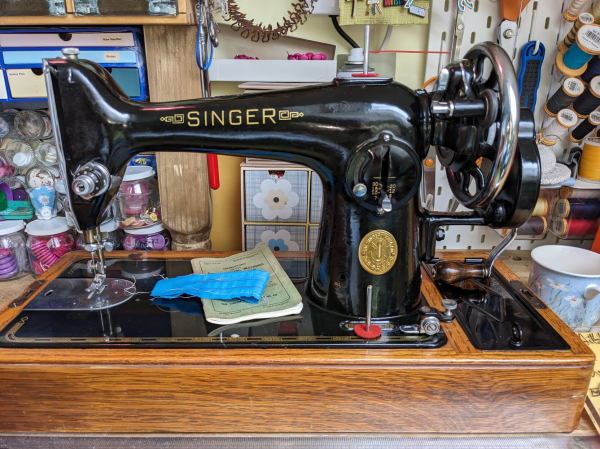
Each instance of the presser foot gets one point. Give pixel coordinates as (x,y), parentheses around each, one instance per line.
(97,268)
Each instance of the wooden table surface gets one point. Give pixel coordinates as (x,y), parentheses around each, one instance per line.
(518,261)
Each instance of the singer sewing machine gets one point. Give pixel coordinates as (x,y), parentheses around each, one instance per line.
(464,346)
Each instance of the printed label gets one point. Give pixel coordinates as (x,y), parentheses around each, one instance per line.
(586,18)
(111,56)
(120,39)
(415,10)
(595,86)
(16,73)
(589,38)
(595,118)
(567,118)
(573,86)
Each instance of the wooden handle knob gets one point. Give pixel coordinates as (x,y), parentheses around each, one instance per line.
(450,272)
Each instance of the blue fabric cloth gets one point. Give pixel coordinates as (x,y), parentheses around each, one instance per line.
(245,285)
(187,306)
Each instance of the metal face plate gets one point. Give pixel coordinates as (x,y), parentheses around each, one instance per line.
(377,252)
(71,294)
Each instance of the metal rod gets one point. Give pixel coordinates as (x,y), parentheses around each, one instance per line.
(366,49)
(369,305)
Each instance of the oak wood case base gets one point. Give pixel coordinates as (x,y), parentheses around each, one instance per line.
(453,389)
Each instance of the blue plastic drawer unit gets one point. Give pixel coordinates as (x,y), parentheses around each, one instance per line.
(119,50)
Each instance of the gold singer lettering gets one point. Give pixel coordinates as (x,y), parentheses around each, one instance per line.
(238,118)
(250,115)
(221,119)
(193,119)
(235,117)
(269,114)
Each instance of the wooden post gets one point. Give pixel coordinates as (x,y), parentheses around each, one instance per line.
(183,177)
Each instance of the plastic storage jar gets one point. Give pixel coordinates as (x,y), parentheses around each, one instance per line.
(13,250)
(20,154)
(138,202)
(112,236)
(151,238)
(33,125)
(48,241)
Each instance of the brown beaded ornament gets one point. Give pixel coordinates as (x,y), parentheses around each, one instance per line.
(260,33)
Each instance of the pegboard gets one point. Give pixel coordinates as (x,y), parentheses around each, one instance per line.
(481,24)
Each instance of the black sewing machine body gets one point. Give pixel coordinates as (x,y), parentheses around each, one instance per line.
(328,128)
(366,139)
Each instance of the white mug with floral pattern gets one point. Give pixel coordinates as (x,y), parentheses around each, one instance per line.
(567,279)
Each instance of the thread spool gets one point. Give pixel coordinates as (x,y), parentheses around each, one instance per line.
(588,209)
(570,192)
(564,228)
(571,89)
(147,242)
(589,165)
(593,69)
(585,18)
(534,226)
(541,208)
(573,62)
(572,12)
(589,100)
(8,264)
(578,133)
(565,119)
(596,12)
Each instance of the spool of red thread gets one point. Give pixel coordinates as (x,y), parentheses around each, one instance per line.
(575,227)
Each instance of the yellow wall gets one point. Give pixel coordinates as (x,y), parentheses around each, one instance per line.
(410,69)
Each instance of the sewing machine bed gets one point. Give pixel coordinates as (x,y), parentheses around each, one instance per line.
(182,386)
(487,317)
(137,322)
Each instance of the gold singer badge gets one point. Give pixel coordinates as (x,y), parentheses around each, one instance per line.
(377,252)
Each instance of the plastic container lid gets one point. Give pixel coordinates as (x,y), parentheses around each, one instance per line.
(10,226)
(146,230)
(53,226)
(137,172)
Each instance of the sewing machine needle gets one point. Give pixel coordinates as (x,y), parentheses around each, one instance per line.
(354,7)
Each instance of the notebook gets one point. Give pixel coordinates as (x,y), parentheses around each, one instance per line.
(280,297)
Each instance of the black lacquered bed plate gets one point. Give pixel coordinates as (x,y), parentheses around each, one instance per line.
(138,323)
(491,317)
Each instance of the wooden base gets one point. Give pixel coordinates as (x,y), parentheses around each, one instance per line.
(453,389)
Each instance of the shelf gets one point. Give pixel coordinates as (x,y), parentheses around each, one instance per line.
(186,16)
(272,71)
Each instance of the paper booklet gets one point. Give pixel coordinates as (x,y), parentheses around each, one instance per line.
(592,401)
(280,297)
